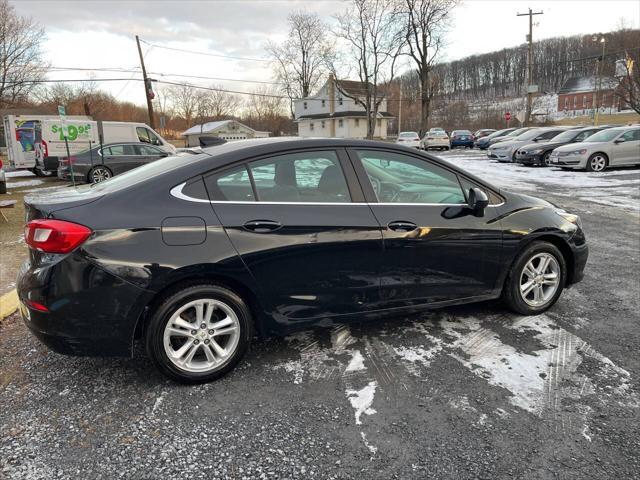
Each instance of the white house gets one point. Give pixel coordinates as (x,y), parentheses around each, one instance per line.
(228,129)
(331,113)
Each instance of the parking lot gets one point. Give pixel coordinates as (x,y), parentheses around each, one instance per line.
(465,392)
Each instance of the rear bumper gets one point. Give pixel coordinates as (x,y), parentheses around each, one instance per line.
(91,312)
(462,143)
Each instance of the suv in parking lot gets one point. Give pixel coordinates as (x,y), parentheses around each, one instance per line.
(194,254)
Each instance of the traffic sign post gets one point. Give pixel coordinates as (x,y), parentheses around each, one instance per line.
(65,133)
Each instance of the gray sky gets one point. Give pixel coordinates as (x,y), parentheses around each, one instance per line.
(100,33)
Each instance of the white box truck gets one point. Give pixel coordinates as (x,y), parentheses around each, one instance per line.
(20,138)
(50,143)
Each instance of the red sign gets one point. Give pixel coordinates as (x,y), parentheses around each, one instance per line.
(507,116)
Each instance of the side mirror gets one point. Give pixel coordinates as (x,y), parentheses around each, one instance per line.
(620,140)
(478,201)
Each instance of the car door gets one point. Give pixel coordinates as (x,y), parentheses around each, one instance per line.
(301,226)
(627,151)
(147,153)
(118,157)
(435,249)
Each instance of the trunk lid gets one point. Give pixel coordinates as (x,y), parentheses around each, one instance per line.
(46,204)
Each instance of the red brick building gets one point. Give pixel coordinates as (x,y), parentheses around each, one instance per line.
(577,95)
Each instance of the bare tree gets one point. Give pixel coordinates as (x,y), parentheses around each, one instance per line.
(20,54)
(300,61)
(373,42)
(426,22)
(184,100)
(629,89)
(215,103)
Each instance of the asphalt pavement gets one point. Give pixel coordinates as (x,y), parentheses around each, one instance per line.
(466,392)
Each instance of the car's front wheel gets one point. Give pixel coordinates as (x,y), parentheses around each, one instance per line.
(546,159)
(597,162)
(536,279)
(199,333)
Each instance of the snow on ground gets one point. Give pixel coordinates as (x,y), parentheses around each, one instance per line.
(617,188)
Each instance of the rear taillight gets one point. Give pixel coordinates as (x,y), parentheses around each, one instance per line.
(55,236)
(0,163)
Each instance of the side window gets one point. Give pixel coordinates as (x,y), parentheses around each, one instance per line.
(153,138)
(631,135)
(300,177)
(581,136)
(116,150)
(398,178)
(148,151)
(231,185)
(143,134)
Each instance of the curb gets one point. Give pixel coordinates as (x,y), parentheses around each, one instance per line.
(8,304)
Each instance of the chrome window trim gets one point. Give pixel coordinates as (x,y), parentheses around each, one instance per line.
(177,193)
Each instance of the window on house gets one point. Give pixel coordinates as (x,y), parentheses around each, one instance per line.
(311,127)
(357,122)
(304,105)
(323,103)
(340,123)
(379,122)
(575,102)
(322,123)
(339,100)
(584,101)
(566,103)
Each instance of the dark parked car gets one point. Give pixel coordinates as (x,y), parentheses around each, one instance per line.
(483,132)
(540,154)
(461,138)
(483,143)
(101,163)
(194,254)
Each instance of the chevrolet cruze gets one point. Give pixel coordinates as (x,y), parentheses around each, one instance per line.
(194,255)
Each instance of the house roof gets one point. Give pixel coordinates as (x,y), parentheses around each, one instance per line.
(587,84)
(352,87)
(210,127)
(350,113)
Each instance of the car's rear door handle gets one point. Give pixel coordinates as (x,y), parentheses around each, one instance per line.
(402,226)
(262,226)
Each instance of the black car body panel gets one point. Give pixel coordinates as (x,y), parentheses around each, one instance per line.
(297,264)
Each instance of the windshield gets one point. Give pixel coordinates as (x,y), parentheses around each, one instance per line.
(518,132)
(497,134)
(461,132)
(567,136)
(604,136)
(529,134)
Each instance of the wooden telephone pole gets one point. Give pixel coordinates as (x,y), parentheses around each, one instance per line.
(147,84)
(530,14)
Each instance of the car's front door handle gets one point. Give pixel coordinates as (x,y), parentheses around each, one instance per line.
(402,226)
(262,226)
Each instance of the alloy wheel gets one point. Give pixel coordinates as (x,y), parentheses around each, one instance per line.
(540,279)
(202,335)
(547,159)
(100,174)
(598,163)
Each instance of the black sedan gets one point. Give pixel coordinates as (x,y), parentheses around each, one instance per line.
(98,164)
(195,254)
(540,154)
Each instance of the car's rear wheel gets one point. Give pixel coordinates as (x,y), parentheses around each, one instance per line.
(199,333)
(597,162)
(536,279)
(99,174)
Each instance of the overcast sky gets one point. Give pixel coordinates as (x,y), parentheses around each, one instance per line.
(100,33)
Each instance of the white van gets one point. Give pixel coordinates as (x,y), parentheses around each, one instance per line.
(20,138)
(50,143)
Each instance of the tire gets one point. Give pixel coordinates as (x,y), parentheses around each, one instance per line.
(546,160)
(3,188)
(207,361)
(597,162)
(541,296)
(99,174)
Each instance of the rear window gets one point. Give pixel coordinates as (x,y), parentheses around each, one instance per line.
(408,135)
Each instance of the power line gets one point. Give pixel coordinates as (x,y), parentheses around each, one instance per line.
(195,52)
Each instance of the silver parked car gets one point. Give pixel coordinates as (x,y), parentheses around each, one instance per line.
(612,147)
(506,151)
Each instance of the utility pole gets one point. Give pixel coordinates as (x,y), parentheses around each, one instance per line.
(597,103)
(530,92)
(400,110)
(147,85)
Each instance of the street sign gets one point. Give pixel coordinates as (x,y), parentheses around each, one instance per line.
(507,116)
